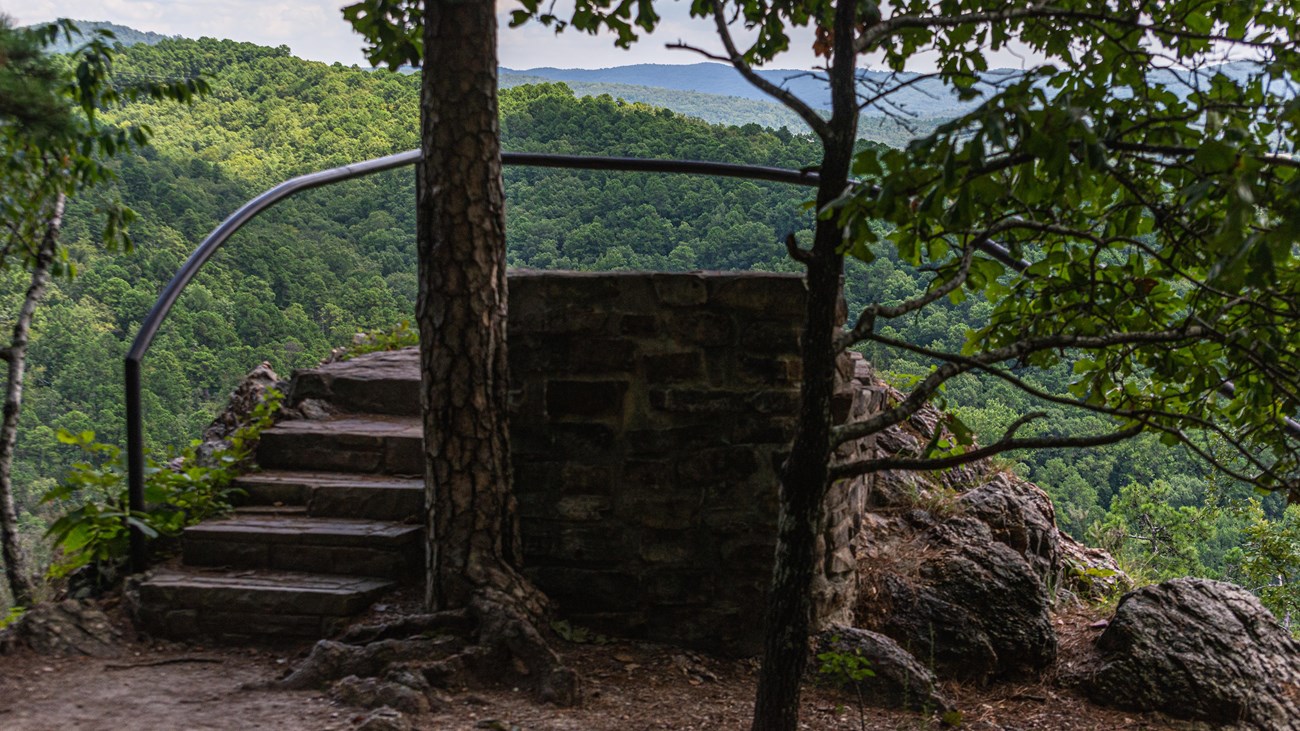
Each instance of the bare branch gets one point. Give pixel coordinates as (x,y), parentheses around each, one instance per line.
(923,391)
(867,319)
(803,256)
(1006,444)
(794,103)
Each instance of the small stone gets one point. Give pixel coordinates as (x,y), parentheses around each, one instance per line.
(384,719)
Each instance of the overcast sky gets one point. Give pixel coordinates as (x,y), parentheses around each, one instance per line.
(315,29)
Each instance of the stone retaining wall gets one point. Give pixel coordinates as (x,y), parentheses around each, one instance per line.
(650,412)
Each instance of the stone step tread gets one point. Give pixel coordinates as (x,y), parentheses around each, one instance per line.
(340,494)
(271,510)
(266,580)
(397,365)
(305,530)
(361,425)
(303,478)
(262,591)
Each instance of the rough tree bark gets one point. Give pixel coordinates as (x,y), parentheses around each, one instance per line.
(487,614)
(805,473)
(16,569)
(462,310)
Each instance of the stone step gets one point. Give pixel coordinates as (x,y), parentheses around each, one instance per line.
(336,494)
(272,510)
(378,383)
(371,443)
(295,543)
(194,602)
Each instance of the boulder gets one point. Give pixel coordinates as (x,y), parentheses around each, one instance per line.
(1090,573)
(1021,517)
(376,693)
(69,628)
(899,680)
(962,602)
(384,719)
(250,392)
(1201,650)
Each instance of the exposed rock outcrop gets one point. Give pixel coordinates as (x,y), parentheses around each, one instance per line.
(964,603)
(899,680)
(246,397)
(1202,650)
(1090,573)
(1020,517)
(69,628)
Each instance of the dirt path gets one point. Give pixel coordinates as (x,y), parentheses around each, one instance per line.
(630,686)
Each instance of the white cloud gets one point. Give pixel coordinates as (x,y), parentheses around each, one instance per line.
(315,29)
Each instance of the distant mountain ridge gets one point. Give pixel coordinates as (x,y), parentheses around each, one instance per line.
(923,99)
(125,35)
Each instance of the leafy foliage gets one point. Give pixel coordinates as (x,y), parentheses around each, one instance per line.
(845,669)
(181,491)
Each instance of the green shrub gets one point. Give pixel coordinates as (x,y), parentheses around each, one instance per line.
(179,491)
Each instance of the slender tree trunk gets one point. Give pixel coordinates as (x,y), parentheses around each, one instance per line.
(473,536)
(16,569)
(804,475)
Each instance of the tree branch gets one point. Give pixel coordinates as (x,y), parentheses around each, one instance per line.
(923,391)
(794,103)
(1006,444)
(866,322)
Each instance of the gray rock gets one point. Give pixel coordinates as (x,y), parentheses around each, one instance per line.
(68,628)
(385,719)
(1090,573)
(1201,650)
(376,693)
(1021,516)
(900,680)
(963,603)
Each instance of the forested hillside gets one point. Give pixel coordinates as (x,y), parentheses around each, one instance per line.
(731,110)
(308,275)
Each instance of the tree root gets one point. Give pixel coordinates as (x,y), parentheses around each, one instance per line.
(492,641)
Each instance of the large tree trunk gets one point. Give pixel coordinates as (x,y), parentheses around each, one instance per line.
(16,569)
(473,537)
(804,475)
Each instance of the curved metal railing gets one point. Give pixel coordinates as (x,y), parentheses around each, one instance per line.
(149,327)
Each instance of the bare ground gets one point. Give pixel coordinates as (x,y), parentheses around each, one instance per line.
(629,686)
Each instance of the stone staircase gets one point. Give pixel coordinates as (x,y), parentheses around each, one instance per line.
(330,522)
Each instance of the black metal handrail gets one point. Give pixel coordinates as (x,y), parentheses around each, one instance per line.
(149,327)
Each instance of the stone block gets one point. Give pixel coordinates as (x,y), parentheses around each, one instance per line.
(769,429)
(775,401)
(768,294)
(652,442)
(671,547)
(666,368)
(236,554)
(587,591)
(765,336)
(680,290)
(641,326)
(667,588)
(600,355)
(699,327)
(580,320)
(657,511)
(768,369)
(699,400)
(582,507)
(570,439)
(592,399)
(577,478)
(726,464)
